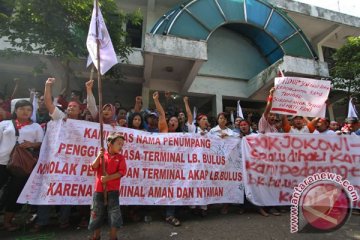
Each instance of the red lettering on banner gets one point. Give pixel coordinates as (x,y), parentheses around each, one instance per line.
(193,158)
(161,173)
(185,192)
(266,142)
(300,171)
(55,167)
(68,189)
(205,192)
(164,156)
(294,142)
(78,150)
(198,174)
(132,191)
(226,176)
(92,133)
(284,197)
(131,154)
(188,142)
(87,170)
(161,192)
(147,140)
(132,173)
(213,159)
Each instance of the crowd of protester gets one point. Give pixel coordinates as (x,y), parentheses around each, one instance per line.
(165,118)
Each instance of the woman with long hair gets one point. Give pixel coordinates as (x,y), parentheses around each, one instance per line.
(171,126)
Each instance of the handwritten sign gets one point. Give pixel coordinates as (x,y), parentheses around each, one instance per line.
(300,96)
(163,169)
(276,163)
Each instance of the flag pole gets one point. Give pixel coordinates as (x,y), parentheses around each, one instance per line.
(100,98)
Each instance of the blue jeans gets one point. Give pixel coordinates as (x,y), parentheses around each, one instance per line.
(98,210)
(170,211)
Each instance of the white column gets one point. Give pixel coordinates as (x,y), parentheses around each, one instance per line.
(145,96)
(217,105)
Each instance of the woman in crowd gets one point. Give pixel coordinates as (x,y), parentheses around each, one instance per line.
(245,130)
(202,125)
(222,131)
(108,110)
(30,137)
(135,122)
(237,125)
(170,126)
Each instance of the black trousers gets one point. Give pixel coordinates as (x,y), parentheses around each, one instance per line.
(12,187)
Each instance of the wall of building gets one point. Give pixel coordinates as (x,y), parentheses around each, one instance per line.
(232,56)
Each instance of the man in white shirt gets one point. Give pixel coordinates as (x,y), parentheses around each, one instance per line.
(322,127)
(73,110)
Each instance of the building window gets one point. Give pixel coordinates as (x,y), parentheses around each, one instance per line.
(328,56)
(134,34)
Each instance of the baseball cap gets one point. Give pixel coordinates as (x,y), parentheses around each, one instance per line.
(351,120)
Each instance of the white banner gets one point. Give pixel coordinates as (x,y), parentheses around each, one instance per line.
(163,169)
(276,163)
(300,96)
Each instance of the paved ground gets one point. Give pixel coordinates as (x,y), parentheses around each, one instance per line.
(215,226)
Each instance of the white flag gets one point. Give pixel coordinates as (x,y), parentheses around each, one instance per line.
(352,110)
(239,110)
(35,108)
(194,115)
(107,54)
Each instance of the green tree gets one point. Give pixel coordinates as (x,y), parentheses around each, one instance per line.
(59,28)
(346,72)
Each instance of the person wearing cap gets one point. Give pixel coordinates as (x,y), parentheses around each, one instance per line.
(351,126)
(322,126)
(152,120)
(115,168)
(298,125)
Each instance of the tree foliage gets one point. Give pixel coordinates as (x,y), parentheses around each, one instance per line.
(59,27)
(346,72)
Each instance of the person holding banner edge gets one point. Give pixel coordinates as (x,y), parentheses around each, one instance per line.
(172,126)
(73,112)
(267,124)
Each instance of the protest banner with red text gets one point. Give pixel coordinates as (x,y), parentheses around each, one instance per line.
(300,96)
(276,163)
(163,169)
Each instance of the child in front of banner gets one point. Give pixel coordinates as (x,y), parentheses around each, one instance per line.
(115,167)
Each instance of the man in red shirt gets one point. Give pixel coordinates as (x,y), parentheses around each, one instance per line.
(115,169)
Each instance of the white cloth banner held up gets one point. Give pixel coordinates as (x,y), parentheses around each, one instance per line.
(276,163)
(163,169)
(239,110)
(352,110)
(300,96)
(107,53)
